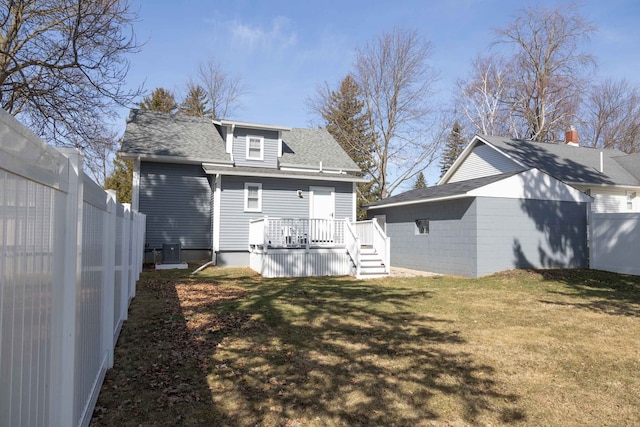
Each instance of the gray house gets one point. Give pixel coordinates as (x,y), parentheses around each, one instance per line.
(281,200)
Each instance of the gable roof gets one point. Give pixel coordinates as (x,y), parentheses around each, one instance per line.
(152,134)
(529,184)
(157,135)
(309,147)
(573,165)
(439,192)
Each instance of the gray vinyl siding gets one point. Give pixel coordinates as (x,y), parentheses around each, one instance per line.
(270,154)
(177,201)
(483,161)
(450,246)
(516,233)
(279,199)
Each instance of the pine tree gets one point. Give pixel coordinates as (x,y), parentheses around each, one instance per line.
(121,180)
(454,147)
(420,182)
(195,103)
(161,100)
(347,122)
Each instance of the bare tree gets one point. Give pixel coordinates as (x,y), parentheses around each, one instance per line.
(481,97)
(611,116)
(63,67)
(549,68)
(223,90)
(397,83)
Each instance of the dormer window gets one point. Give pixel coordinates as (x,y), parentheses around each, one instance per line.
(255,147)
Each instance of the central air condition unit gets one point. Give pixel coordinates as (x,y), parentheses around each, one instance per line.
(171,253)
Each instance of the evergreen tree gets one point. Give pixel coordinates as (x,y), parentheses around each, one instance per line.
(456,143)
(195,103)
(346,120)
(420,182)
(121,180)
(161,100)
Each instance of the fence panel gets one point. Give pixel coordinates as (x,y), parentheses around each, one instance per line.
(59,312)
(615,242)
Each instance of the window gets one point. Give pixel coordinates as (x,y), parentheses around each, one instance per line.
(252,197)
(630,196)
(255,147)
(422,226)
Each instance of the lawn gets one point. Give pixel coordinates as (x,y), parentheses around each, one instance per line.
(229,348)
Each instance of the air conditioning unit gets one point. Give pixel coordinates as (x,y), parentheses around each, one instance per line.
(171,253)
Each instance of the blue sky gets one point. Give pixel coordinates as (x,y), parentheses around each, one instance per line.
(283,49)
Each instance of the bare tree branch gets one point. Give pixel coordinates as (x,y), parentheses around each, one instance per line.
(63,67)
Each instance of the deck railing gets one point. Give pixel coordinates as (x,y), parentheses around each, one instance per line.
(296,232)
(371,234)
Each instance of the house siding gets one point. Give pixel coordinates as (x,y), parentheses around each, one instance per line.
(270,153)
(450,246)
(279,199)
(177,201)
(611,200)
(519,233)
(483,161)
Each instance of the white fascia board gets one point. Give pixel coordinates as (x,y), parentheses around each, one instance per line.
(293,166)
(279,143)
(594,185)
(171,159)
(465,153)
(211,170)
(461,158)
(417,202)
(532,184)
(249,125)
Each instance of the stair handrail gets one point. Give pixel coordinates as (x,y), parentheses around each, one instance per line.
(352,243)
(382,245)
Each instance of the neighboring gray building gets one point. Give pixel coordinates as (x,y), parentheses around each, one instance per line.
(201,182)
(475,227)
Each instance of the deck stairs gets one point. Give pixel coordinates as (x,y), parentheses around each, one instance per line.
(371,264)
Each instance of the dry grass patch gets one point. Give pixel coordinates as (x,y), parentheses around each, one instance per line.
(227,347)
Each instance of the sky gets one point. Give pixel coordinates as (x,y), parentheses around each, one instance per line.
(282,50)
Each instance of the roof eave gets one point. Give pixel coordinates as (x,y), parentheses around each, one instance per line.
(160,158)
(212,169)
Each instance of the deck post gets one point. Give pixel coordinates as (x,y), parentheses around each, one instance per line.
(265,235)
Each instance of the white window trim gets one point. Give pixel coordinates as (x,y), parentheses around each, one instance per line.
(261,138)
(246,196)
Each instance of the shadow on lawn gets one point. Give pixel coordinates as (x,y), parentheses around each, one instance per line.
(345,352)
(603,292)
(157,378)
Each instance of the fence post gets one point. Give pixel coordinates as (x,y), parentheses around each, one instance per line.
(109,262)
(63,358)
(124,262)
(131,242)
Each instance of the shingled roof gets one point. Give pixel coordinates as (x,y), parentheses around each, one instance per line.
(443,191)
(309,147)
(573,165)
(150,134)
(154,134)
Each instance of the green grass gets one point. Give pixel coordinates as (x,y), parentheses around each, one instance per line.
(227,347)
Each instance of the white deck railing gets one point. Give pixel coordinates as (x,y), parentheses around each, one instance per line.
(371,234)
(71,256)
(352,243)
(296,232)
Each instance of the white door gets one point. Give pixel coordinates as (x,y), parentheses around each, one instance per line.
(322,213)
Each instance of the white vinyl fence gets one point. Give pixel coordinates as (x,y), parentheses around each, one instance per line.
(615,242)
(71,256)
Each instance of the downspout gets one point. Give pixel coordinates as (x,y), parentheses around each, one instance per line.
(213,231)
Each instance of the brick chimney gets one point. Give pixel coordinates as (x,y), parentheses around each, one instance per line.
(571,137)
